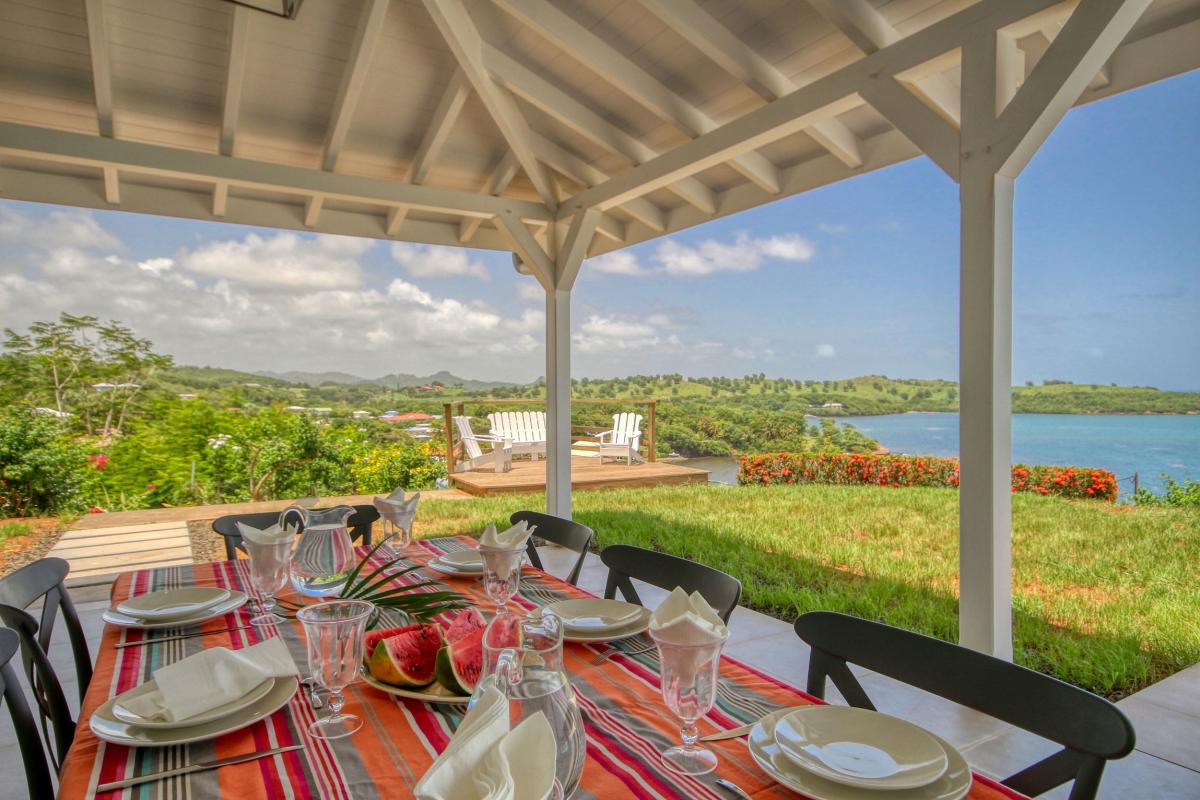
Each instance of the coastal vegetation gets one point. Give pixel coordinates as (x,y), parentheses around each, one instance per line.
(1104,595)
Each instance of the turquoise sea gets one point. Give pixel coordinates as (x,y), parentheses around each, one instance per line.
(1147,445)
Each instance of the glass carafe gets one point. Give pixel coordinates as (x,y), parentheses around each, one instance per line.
(523,658)
(324,554)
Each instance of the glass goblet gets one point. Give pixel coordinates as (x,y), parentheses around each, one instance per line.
(501,573)
(268,574)
(334,630)
(401,529)
(689,675)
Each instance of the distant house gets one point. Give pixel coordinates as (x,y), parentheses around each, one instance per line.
(252,385)
(186,396)
(832,405)
(408,416)
(52,412)
(295,409)
(360,414)
(427,388)
(320,412)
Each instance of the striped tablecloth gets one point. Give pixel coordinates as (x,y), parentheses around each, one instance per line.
(626,722)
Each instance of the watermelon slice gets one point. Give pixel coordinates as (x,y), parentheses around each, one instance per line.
(375,637)
(407,658)
(460,663)
(468,621)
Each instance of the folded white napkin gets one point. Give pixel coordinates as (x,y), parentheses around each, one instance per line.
(211,678)
(514,537)
(271,535)
(685,619)
(486,760)
(396,510)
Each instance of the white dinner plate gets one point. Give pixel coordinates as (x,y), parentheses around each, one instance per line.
(110,729)
(953,785)
(446,568)
(434,693)
(235,601)
(172,603)
(861,748)
(122,714)
(462,559)
(593,614)
(639,625)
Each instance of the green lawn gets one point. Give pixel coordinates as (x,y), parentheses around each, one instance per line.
(1106,597)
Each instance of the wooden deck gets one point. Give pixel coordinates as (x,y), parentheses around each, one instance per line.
(586,473)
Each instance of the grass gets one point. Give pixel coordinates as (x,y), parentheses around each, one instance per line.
(1105,596)
(11,529)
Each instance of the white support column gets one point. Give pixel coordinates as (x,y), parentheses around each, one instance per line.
(558,402)
(985,418)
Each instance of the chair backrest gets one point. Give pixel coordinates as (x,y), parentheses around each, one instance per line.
(568,533)
(1091,729)
(44,580)
(467,437)
(524,427)
(359,523)
(37,774)
(721,590)
(626,428)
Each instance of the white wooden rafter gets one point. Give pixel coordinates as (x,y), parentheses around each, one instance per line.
(235,77)
(497,182)
(460,33)
(540,93)
(596,54)
(98,47)
(354,79)
(741,61)
(583,173)
(112,186)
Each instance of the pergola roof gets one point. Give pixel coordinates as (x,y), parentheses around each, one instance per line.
(441,121)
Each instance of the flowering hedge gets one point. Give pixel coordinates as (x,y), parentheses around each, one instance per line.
(896,471)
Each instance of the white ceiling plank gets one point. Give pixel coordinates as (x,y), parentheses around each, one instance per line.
(112,186)
(585,174)
(497,182)
(1088,39)
(206,168)
(312,210)
(866,27)
(538,92)
(444,116)
(458,29)
(607,62)
(354,78)
(828,96)
(710,37)
(101,66)
(220,200)
(235,76)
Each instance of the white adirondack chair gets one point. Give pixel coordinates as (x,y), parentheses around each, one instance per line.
(526,430)
(623,440)
(498,455)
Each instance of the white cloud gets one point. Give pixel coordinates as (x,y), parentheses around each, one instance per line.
(283,262)
(612,333)
(531,290)
(58,229)
(433,261)
(744,254)
(825,351)
(833,228)
(156,265)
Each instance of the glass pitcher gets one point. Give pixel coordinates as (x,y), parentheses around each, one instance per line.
(523,658)
(324,554)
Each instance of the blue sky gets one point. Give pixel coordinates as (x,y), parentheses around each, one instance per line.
(855,278)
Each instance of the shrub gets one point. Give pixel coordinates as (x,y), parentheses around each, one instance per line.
(897,471)
(42,469)
(383,467)
(1179,495)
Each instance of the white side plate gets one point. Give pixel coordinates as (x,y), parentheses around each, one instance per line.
(593,614)
(235,601)
(122,714)
(173,603)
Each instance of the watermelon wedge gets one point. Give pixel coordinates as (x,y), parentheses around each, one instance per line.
(468,621)
(460,663)
(407,658)
(375,637)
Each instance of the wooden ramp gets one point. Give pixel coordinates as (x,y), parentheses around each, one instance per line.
(586,473)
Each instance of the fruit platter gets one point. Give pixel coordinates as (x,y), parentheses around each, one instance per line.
(432,662)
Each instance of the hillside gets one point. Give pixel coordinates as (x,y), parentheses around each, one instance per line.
(400,380)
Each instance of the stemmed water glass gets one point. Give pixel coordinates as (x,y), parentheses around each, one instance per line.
(689,688)
(268,574)
(334,630)
(501,573)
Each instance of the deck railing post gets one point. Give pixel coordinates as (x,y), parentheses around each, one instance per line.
(651,447)
(449,423)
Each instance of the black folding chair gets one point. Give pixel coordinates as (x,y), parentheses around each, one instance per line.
(37,774)
(43,580)
(722,591)
(1091,730)
(564,532)
(359,523)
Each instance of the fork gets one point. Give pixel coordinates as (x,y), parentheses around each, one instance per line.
(730,786)
(636,651)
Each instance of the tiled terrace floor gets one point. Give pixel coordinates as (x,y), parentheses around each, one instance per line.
(1167,715)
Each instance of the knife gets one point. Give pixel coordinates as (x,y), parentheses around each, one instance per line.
(204,765)
(175,638)
(732,733)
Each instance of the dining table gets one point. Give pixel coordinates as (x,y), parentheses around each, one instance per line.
(626,722)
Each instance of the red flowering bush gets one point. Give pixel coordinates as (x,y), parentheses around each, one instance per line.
(897,471)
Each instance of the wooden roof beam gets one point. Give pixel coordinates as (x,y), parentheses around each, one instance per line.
(497,182)
(602,58)
(458,29)
(97,33)
(354,78)
(235,76)
(586,175)
(741,61)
